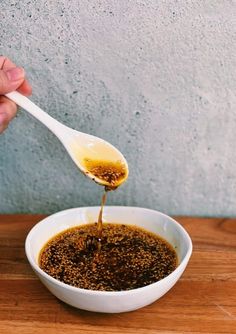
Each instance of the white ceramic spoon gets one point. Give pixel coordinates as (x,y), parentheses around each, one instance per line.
(79,145)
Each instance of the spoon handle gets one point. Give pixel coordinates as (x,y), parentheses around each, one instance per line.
(51,123)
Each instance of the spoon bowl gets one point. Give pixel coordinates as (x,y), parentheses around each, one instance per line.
(82,147)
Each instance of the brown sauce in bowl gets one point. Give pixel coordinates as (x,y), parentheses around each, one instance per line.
(129,257)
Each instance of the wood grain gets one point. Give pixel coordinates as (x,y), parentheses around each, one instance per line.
(203,301)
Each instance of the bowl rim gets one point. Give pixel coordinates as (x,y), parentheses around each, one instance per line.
(181,266)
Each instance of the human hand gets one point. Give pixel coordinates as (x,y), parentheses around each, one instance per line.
(11,78)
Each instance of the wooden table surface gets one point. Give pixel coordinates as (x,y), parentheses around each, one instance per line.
(202,301)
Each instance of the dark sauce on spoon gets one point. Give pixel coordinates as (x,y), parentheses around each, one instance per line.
(113,173)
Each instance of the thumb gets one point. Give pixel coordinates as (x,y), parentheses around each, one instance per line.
(11,79)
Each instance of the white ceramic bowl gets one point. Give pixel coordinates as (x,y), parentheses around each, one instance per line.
(106,301)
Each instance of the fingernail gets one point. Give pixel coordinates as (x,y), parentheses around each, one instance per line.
(15,74)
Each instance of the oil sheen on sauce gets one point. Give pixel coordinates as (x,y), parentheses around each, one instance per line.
(130,257)
(113,173)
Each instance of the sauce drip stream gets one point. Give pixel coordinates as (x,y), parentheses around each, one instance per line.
(104,197)
(114,173)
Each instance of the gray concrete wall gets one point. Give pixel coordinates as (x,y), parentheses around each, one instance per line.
(155,78)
